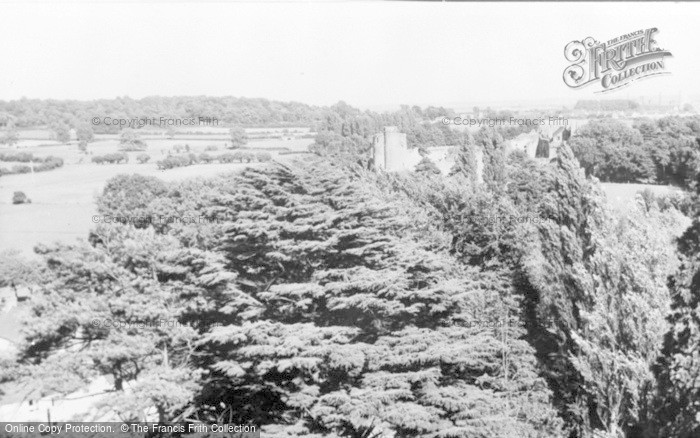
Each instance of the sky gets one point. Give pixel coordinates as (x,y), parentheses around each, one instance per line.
(368,54)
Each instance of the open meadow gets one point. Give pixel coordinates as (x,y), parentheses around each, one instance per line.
(63,199)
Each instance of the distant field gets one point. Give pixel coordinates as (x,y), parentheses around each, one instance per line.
(63,200)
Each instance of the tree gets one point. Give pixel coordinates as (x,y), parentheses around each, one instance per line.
(20,198)
(239,138)
(89,320)
(466,161)
(130,140)
(18,270)
(678,368)
(61,132)
(132,196)
(426,166)
(11,137)
(363,322)
(85,134)
(491,143)
(617,341)
(143,158)
(613,151)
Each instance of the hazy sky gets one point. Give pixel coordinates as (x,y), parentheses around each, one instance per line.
(365,53)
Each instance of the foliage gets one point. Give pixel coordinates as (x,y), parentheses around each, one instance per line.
(427,166)
(663,151)
(107,331)
(17,269)
(143,158)
(205,158)
(113,158)
(263,157)
(130,196)
(20,198)
(10,137)
(678,369)
(130,140)
(61,132)
(37,164)
(364,323)
(84,133)
(238,138)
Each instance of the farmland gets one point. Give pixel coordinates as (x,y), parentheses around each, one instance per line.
(63,200)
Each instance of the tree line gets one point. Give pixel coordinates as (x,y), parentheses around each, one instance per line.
(662,151)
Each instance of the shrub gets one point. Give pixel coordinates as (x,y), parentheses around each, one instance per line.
(178,148)
(211,148)
(227,158)
(136,145)
(130,140)
(174,161)
(49,163)
(21,168)
(115,158)
(20,198)
(247,156)
(238,156)
(143,158)
(22,157)
(205,158)
(263,157)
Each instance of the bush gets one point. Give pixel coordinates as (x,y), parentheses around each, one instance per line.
(263,157)
(49,163)
(132,196)
(22,157)
(143,158)
(227,158)
(174,161)
(238,156)
(21,168)
(136,145)
(205,158)
(211,148)
(130,140)
(115,158)
(20,198)
(247,156)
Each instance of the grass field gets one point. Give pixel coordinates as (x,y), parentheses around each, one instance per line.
(63,200)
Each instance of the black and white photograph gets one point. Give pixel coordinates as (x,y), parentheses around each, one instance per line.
(349,219)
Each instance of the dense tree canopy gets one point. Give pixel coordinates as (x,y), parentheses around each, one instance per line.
(318,299)
(664,151)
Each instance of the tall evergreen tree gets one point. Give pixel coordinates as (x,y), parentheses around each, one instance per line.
(366,324)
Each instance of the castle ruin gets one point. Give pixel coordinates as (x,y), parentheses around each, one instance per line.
(390,151)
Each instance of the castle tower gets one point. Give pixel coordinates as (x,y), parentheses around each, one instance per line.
(390,150)
(378,151)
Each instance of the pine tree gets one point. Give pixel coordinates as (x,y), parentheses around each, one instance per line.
(132,308)
(366,324)
(678,368)
(427,167)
